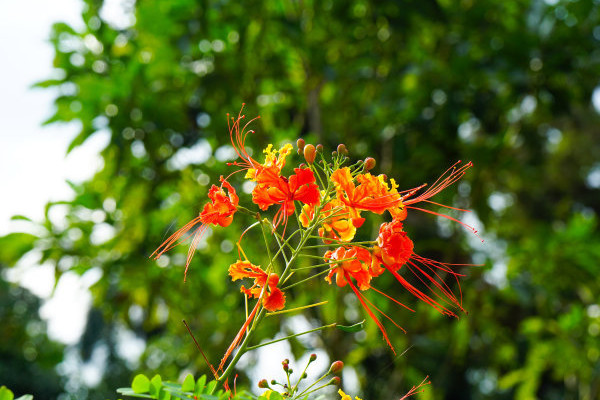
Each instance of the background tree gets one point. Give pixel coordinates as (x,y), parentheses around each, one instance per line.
(418,85)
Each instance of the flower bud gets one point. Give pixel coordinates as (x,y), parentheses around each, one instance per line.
(300,143)
(290,371)
(263,384)
(336,367)
(341,149)
(319,148)
(273,382)
(309,153)
(370,163)
(304,375)
(313,357)
(334,153)
(335,381)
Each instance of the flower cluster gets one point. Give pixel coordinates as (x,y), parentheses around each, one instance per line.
(329,199)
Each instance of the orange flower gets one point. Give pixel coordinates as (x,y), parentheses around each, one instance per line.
(339,223)
(273,298)
(218,212)
(265,285)
(357,265)
(372,193)
(271,168)
(394,247)
(284,191)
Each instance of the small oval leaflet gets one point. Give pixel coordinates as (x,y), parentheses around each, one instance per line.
(352,328)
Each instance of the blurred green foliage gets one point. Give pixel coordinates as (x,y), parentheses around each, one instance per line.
(417,85)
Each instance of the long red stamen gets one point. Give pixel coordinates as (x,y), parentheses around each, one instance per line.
(467,226)
(450,176)
(423,276)
(414,390)
(180,236)
(240,335)
(371,314)
(384,314)
(238,140)
(419,294)
(392,299)
(212,369)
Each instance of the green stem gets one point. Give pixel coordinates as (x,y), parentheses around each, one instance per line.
(304,393)
(289,310)
(291,336)
(313,384)
(271,260)
(307,279)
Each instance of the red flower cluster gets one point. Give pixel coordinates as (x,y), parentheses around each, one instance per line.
(334,211)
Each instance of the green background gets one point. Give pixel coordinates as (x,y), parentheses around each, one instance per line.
(415,84)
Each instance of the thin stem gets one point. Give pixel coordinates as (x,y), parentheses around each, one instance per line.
(307,279)
(313,384)
(304,393)
(289,337)
(316,265)
(310,256)
(296,308)
(271,261)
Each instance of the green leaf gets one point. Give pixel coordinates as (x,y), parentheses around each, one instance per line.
(6,394)
(200,385)
(21,218)
(140,384)
(164,395)
(211,386)
(25,397)
(131,393)
(352,328)
(155,385)
(270,395)
(189,383)
(14,245)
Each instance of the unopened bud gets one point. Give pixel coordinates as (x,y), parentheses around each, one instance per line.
(300,143)
(263,384)
(319,148)
(335,381)
(304,375)
(302,166)
(342,149)
(334,153)
(313,357)
(273,382)
(336,367)
(309,153)
(290,371)
(370,163)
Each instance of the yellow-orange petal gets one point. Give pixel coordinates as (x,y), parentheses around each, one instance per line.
(245,269)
